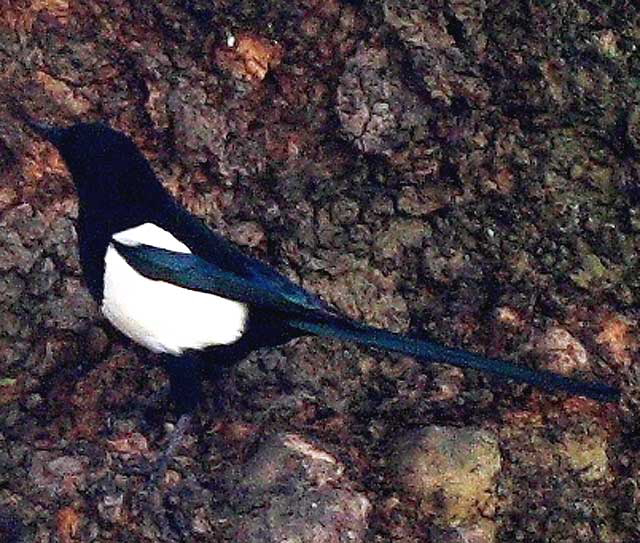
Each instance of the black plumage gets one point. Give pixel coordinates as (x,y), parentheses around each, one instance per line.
(118,192)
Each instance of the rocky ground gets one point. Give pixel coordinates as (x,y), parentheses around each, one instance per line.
(461,169)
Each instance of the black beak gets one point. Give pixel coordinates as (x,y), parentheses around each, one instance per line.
(47,131)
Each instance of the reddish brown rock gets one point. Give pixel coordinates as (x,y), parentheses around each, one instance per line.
(248,56)
(291,489)
(559,351)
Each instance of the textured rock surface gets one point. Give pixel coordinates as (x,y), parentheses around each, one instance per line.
(291,490)
(466,170)
(451,471)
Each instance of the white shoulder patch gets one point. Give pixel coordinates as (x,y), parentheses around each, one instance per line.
(160,316)
(152,235)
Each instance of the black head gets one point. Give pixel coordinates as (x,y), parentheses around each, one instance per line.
(91,149)
(107,167)
(82,143)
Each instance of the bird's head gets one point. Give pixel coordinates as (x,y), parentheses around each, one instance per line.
(106,165)
(90,149)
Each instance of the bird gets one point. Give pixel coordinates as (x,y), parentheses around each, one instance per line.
(169,282)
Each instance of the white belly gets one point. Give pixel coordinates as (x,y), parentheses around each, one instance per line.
(158,315)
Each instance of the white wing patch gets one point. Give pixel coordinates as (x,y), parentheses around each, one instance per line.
(150,234)
(160,316)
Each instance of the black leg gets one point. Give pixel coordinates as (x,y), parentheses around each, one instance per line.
(185,379)
(181,429)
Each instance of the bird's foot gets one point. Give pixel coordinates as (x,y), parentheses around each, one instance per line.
(155,471)
(175,441)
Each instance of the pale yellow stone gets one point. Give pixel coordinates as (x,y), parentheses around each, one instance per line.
(451,470)
(588,456)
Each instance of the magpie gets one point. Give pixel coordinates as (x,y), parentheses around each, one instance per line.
(173,285)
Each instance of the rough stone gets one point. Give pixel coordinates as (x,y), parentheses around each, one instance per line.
(587,455)
(618,338)
(559,351)
(73,310)
(484,531)
(367,295)
(249,234)
(441,64)
(43,277)
(376,110)
(423,200)
(13,253)
(401,234)
(62,474)
(11,288)
(248,56)
(633,127)
(199,129)
(293,490)
(452,471)
(11,526)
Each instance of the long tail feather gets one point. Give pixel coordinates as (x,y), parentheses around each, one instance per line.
(426,351)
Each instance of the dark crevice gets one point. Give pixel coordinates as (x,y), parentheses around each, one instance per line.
(202,17)
(401,54)
(7,157)
(455,29)
(449,170)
